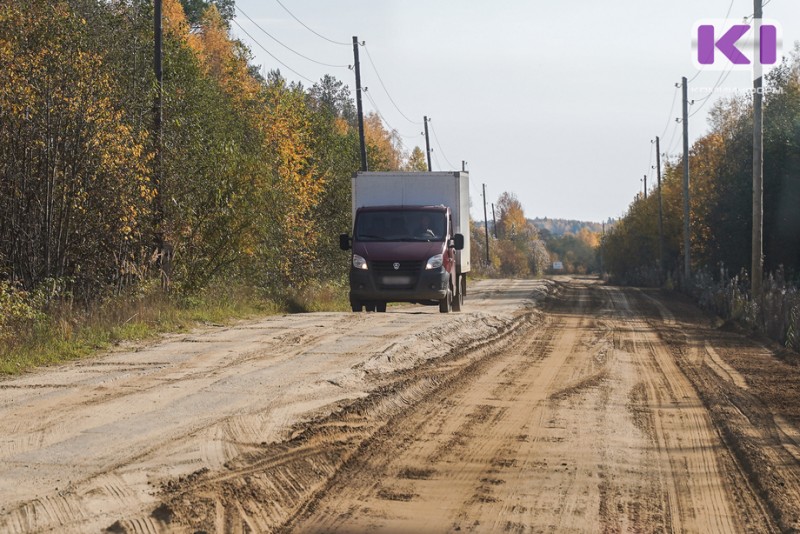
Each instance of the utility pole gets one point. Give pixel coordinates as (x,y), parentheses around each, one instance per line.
(602,246)
(494,222)
(158,141)
(645,186)
(758,161)
(660,212)
(486,226)
(687,273)
(357,68)
(427,143)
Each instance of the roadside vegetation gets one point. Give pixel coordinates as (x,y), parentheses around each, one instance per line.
(516,249)
(255,186)
(721,215)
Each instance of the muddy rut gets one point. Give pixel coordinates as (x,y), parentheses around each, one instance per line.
(547,406)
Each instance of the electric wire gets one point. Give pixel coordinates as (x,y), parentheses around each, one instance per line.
(436,160)
(727,14)
(436,138)
(287,47)
(671,109)
(374,68)
(303,24)
(378,111)
(270,53)
(671,144)
(722,77)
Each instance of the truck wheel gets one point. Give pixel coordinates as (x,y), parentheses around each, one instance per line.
(369,306)
(446,304)
(380,307)
(458,298)
(356,306)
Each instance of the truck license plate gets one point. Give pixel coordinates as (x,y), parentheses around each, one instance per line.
(396,280)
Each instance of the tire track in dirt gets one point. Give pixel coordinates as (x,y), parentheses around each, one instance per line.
(740,384)
(583,424)
(692,476)
(203,402)
(261,490)
(196,402)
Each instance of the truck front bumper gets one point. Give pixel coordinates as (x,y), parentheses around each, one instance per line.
(371,286)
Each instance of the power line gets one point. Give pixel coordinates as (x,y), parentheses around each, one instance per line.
(722,77)
(378,111)
(671,144)
(727,14)
(287,47)
(671,109)
(309,29)
(438,164)
(369,56)
(270,53)
(436,138)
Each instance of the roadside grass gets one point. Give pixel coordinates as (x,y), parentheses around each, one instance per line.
(63,332)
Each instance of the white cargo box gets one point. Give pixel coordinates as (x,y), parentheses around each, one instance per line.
(450,189)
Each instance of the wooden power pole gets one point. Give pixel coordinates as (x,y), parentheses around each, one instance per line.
(758,161)
(486,226)
(687,272)
(660,212)
(357,68)
(427,143)
(158,142)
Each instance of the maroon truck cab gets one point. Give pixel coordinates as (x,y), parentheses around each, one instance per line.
(403,254)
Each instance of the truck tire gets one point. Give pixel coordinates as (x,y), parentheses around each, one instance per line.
(380,307)
(356,306)
(369,306)
(446,304)
(458,298)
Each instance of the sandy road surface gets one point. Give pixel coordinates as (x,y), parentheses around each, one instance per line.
(586,424)
(88,445)
(598,409)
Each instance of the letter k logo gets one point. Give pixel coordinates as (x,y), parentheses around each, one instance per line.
(726,44)
(707,44)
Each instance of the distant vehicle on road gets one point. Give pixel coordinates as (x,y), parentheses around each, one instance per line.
(410,239)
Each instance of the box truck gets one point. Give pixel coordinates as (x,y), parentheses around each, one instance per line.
(410,239)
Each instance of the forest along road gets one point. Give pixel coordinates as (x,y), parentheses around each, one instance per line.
(558,406)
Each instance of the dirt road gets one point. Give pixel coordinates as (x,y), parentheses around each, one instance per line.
(595,409)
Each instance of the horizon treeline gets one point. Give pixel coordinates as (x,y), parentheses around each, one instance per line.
(256,171)
(721,195)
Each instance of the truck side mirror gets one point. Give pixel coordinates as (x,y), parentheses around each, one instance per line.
(344,242)
(458,241)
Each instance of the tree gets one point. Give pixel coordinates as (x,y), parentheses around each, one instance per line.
(520,250)
(384,150)
(510,217)
(416,161)
(194,10)
(74,188)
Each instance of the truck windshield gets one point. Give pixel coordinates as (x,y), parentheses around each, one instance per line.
(412,225)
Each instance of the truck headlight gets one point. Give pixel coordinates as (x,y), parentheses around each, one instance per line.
(434,262)
(359,262)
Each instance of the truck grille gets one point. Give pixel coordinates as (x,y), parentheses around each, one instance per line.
(404,277)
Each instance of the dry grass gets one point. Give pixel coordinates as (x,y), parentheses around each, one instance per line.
(66,332)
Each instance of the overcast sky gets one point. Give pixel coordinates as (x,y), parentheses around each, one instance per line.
(555,101)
